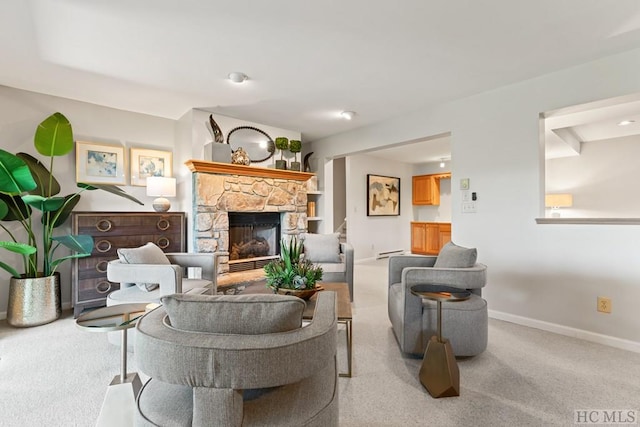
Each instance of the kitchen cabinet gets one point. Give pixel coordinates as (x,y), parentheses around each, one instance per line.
(427,238)
(426,188)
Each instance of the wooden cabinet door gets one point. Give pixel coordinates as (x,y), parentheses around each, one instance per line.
(423,187)
(444,234)
(418,238)
(433,239)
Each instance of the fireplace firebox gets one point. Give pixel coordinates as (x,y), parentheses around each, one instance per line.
(254,239)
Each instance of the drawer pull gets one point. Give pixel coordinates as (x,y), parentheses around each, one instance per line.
(103,287)
(103,246)
(163,224)
(101,267)
(104,225)
(163,243)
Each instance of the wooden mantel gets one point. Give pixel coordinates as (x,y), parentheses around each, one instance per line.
(231,169)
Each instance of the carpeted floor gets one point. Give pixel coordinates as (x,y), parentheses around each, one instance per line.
(57,374)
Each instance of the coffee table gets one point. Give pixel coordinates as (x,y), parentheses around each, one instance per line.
(118,407)
(344,310)
(439,372)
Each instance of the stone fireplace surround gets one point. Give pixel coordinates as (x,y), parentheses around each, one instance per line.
(220,188)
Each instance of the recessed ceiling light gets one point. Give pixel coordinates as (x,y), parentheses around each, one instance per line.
(626,122)
(237,77)
(442,162)
(347,115)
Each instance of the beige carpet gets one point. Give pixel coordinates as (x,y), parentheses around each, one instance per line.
(56,375)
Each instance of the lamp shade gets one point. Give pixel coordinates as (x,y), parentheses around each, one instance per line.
(558,200)
(160,186)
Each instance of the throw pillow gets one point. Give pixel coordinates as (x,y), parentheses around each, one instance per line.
(147,254)
(454,256)
(322,247)
(234,314)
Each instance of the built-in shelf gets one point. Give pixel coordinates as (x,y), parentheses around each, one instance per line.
(315,193)
(314,218)
(231,169)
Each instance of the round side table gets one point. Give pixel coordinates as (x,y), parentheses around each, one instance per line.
(119,403)
(439,372)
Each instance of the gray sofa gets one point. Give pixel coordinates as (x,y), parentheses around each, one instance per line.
(414,320)
(335,257)
(238,360)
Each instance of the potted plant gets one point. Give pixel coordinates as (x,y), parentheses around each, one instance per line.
(290,274)
(295,146)
(282,144)
(26,186)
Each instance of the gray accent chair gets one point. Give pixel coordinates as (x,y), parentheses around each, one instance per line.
(414,320)
(335,257)
(172,278)
(241,360)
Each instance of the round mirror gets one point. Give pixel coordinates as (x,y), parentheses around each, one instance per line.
(258,145)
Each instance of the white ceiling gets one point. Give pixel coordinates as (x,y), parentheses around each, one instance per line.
(306,60)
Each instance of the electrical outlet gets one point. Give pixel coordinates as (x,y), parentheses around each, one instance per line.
(604,305)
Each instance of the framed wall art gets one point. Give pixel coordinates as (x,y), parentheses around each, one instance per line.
(146,163)
(100,163)
(383,195)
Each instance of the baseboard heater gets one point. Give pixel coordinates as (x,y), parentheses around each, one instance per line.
(387,254)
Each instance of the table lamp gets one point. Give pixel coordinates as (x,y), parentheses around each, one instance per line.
(161,187)
(557,201)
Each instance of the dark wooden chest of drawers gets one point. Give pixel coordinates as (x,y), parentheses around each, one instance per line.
(113,230)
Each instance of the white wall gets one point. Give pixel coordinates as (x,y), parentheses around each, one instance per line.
(370,235)
(545,275)
(602,179)
(20,114)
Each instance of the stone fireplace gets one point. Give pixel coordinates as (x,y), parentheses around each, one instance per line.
(236,208)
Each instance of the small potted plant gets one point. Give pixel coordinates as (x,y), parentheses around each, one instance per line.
(290,274)
(282,144)
(27,186)
(295,146)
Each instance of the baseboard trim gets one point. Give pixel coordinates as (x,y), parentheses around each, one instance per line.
(567,331)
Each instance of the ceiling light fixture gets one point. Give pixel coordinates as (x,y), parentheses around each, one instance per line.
(626,122)
(347,115)
(237,77)
(442,162)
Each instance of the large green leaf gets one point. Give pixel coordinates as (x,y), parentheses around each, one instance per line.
(18,210)
(19,248)
(82,244)
(71,201)
(54,136)
(15,176)
(4,209)
(44,204)
(111,189)
(47,183)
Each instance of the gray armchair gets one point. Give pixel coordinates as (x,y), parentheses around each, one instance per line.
(414,320)
(335,257)
(238,360)
(145,274)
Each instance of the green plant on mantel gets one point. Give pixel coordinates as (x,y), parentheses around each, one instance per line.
(295,146)
(282,144)
(290,271)
(26,185)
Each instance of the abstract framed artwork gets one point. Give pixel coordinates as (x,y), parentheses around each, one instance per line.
(100,163)
(146,163)
(383,195)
